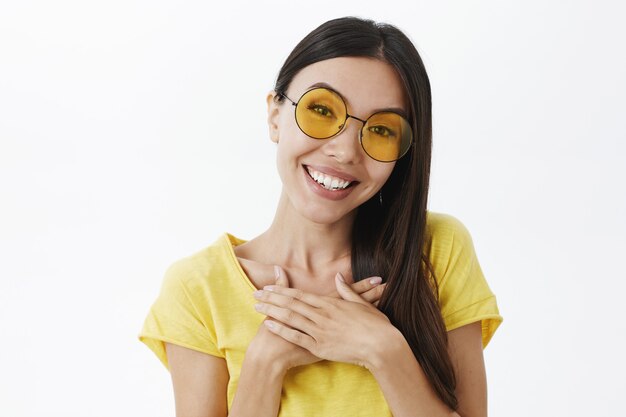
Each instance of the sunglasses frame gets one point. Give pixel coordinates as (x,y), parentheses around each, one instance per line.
(345,122)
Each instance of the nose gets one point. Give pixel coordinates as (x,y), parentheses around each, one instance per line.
(346,147)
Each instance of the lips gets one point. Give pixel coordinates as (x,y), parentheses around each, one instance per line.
(333,172)
(328,183)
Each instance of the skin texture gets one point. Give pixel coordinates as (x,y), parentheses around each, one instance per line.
(310,240)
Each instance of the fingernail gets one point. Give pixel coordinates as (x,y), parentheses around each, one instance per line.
(268,288)
(340,277)
(269,324)
(376,280)
(257,294)
(276,272)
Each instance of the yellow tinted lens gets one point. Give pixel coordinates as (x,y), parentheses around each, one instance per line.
(386,136)
(320,113)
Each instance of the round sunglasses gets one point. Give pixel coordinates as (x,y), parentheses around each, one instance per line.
(321,113)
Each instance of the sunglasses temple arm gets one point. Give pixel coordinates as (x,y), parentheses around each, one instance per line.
(284,95)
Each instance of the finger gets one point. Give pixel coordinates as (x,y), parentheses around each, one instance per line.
(360,287)
(374,294)
(289,317)
(291,335)
(290,303)
(281,277)
(268,318)
(308,298)
(366,284)
(345,290)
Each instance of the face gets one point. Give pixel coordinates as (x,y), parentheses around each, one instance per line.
(314,171)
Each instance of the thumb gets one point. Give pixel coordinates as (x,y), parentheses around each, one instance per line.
(346,292)
(281,277)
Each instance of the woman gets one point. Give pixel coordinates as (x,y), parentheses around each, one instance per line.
(296,321)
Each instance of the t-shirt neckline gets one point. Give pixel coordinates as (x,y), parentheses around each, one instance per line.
(230,242)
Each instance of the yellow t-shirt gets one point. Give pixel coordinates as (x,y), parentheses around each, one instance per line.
(206,304)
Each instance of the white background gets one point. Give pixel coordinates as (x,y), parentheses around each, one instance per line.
(133,133)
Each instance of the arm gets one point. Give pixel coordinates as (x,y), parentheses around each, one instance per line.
(409,393)
(200,382)
(466,352)
(259,389)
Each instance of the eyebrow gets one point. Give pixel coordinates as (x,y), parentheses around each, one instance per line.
(398,110)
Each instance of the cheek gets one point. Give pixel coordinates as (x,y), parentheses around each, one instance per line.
(380,171)
(294,144)
(289,152)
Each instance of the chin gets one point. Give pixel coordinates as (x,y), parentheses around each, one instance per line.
(323,215)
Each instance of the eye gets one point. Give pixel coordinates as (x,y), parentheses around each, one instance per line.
(320,109)
(382,131)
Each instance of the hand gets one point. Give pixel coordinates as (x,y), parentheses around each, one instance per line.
(345,330)
(368,288)
(275,349)
(289,355)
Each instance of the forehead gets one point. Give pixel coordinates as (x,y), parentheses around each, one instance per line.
(366,84)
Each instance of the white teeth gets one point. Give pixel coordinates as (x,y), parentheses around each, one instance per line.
(327,181)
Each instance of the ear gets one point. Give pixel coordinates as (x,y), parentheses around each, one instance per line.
(272,115)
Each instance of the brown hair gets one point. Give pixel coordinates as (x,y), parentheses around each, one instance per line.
(388,239)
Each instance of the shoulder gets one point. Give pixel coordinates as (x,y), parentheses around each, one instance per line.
(464,294)
(450,249)
(445,233)
(195,269)
(437,222)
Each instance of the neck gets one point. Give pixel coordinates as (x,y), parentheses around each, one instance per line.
(296,242)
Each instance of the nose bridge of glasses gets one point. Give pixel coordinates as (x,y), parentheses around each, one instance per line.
(347,143)
(354,117)
(349,116)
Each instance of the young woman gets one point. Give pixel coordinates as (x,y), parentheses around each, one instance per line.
(356,301)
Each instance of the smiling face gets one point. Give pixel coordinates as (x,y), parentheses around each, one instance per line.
(325,180)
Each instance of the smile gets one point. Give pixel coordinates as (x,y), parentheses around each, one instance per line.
(328,181)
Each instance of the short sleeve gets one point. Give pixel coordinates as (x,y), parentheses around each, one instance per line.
(464,295)
(175,317)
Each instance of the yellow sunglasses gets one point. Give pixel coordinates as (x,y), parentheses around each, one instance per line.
(321,113)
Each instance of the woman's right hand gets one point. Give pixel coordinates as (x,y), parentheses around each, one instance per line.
(270,347)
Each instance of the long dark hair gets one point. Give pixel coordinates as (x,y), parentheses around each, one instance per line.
(388,239)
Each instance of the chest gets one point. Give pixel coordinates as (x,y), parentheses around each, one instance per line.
(323,283)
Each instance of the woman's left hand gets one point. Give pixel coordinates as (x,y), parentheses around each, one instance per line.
(349,329)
